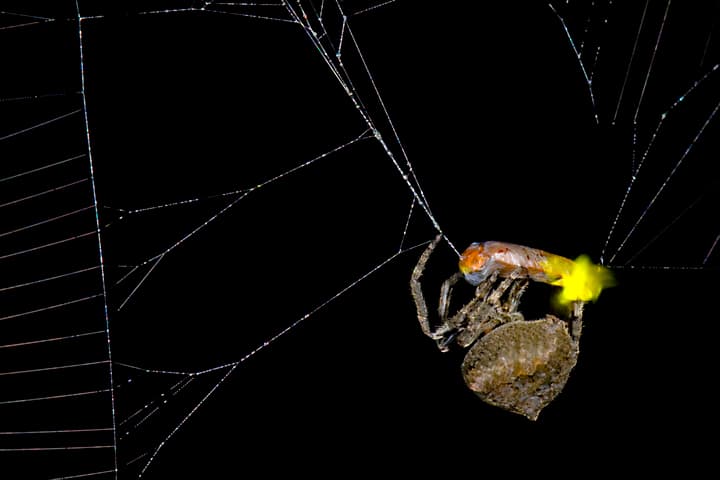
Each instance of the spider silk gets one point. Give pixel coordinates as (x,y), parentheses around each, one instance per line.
(580,279)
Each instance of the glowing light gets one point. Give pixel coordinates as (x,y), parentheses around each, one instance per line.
(583,282)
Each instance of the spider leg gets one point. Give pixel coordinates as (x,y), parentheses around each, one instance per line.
(464,326)
(446,295)
(485,287)
(576,323)
(416,288)
(516,291)
(494,298)
(446,332)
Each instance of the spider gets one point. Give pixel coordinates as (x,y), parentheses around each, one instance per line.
(516,364)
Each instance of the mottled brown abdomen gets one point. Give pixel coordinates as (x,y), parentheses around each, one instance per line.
(521,366)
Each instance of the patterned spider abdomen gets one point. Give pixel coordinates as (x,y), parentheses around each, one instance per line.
(521,366)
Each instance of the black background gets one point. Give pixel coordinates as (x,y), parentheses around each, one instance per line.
(494,113)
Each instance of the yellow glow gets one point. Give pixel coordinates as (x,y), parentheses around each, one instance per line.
(584,281)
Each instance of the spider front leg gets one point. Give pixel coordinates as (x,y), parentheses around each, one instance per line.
(486,311)
(416,290)
(452,328)
(513,298)
(446,294)
(517,290)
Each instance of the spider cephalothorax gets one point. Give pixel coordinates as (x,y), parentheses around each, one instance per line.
(516,364)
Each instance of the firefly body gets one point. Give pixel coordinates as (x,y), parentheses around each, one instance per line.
(581,279)
(480,260)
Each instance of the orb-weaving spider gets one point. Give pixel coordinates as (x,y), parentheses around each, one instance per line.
(512,363)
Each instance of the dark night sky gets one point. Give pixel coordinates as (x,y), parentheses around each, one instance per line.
(494,114)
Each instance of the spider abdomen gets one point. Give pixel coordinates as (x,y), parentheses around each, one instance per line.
(521,366)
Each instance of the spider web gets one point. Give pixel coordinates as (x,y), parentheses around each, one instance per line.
(186,183)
